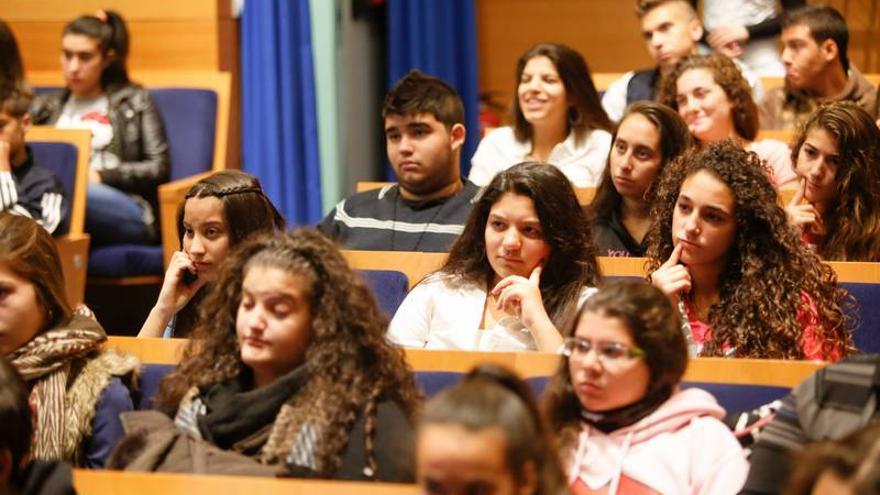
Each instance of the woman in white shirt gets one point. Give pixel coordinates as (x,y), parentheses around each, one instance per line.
(521,268)
(558,119)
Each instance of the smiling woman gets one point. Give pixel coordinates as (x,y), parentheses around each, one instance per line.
(558,119)
(523,264)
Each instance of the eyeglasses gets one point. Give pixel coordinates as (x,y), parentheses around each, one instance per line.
(606,352)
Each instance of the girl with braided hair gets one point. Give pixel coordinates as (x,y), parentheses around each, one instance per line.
(289,365)
(837,156)
(218,212)
(76,389)
(720,249)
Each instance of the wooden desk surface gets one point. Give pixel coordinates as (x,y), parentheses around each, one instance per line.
(97,482)
(527,364)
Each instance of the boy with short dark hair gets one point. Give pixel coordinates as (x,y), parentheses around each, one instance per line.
(817,69)
(25,187)
(427,208)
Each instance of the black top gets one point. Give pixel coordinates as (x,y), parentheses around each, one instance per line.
(612,238)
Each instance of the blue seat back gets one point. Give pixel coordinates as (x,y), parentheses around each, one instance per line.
(389,287)
(190,118)
(867,331)
(58,158)
(732,397)
(148,383)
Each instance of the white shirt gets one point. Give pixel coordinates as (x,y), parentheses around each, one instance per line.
(438,314)
(581,160)
(91,114)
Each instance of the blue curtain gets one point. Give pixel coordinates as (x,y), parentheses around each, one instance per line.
(279,117)
(438,37)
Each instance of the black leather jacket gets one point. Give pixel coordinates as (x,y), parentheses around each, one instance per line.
(138,138)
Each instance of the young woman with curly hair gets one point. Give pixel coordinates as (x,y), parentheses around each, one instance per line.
(218,213)
(715,100)
(623,423)
(557,119)
(290,366)
(523,264)
(838,160)
(649,136)
(720,246)
(485,434)
(77,389)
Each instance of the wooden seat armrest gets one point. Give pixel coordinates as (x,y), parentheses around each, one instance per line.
(73,249)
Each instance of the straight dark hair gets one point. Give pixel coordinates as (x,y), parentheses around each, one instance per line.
(674,140)
(15,416)
(418,92)
(572,262)
(825,22)
(585,112)
(11,66)
(112,36)
(491,396)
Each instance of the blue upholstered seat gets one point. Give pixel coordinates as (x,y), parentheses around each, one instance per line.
(189,116)
(867,332)
(60,159)
(389,288)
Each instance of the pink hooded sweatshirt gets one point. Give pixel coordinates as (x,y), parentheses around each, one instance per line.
(681,448)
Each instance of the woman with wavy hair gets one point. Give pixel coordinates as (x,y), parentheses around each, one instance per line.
(523,264)
(721,248)
(487,431)
(649,136)
(715,100)
(623,423)
(218,213)
(837,153)
(289,365)
(557,119)
(76,387)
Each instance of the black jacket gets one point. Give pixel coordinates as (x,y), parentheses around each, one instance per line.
(138,138)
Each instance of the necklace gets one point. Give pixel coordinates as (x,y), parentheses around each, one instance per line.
(424,229)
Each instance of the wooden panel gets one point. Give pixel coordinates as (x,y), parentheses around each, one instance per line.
(154,44)
(73,249)
(149,349)
(65,10)
(99,482)
(861,272)
(622,267)
(606,32)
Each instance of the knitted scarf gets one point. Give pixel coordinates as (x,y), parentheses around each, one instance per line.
(67,373)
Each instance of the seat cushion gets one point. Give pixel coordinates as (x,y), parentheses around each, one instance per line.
(125,260)
(389,287)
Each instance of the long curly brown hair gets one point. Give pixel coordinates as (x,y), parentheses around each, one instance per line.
(853,218)
(572,262)
(727,75)
(768,267)
(351,365)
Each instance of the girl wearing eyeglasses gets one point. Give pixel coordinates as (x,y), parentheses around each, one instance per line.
(623,424)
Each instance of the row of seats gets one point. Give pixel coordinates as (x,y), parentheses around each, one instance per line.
(738,384)
(390,275)
(194,107)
